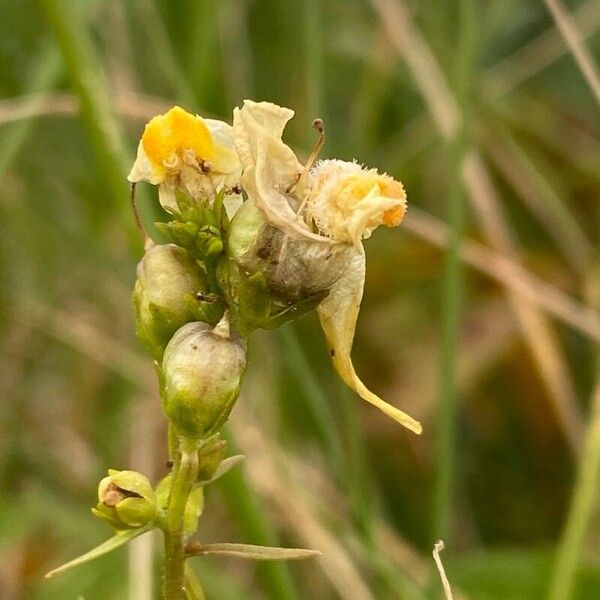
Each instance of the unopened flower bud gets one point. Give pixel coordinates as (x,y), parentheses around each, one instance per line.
(168,278)
(201,372)
(125,500)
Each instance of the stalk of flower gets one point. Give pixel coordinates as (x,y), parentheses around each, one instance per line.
(322,215)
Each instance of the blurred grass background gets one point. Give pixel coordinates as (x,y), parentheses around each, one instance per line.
(480,108)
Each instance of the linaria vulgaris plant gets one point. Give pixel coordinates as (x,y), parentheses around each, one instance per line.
(256,239)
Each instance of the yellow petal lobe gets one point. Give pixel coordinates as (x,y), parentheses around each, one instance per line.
(174,132)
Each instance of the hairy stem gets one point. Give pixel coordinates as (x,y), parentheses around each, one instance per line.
(193,587)
(184,475)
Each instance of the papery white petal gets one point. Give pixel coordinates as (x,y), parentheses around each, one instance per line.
(338,313)
(142,169)
(273,202)
(232,203)
(270,167)
(166,197)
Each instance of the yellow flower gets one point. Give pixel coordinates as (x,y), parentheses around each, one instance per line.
(347,202)
(182,151)
(325,213)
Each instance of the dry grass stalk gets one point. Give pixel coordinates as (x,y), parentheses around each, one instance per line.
(574,40)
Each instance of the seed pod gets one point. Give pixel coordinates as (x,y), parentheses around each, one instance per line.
(201,372)
(294,269)
(126,500)
(168,278)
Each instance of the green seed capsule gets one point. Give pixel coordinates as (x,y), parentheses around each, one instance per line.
(201,372)
(168,279)
(294,269)
(126,500)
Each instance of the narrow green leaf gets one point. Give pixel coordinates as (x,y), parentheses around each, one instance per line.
(118,540)
(296,310)
(254,300)
(249,551)
(193,510)
(224,468)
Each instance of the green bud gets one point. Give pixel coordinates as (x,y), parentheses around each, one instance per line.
(168,279)
(294,269)
(126,500)
(201,372)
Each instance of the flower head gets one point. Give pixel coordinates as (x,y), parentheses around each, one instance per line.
(324,214)
(125,499)
(182,151)
(347,202)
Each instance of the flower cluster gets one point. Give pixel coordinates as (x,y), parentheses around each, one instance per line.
(258,238)
(254,239)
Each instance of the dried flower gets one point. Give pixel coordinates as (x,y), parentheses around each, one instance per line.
(321,215)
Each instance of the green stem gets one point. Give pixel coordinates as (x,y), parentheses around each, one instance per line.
(184,476)
(581,511)
(452,286)
(313,49)
(315,401)
(68,24)
(256,528)
(193,587)
(44,77)
(585,492)
(163,53)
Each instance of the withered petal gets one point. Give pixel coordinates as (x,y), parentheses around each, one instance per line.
(338,314)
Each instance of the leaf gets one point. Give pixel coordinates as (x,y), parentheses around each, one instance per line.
(224,468)
(249,551)
(295,310)
(118,540)
(193,510)
(217,207)
(254,300)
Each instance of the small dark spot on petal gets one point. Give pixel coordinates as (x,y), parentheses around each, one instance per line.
(332,352)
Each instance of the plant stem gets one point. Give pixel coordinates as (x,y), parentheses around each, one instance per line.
(184,476)
(580,513)
(193,587)
(83,66)
(313,48)
(585,492)
(44,77)
(314,399)
(256,528)
(452,287)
